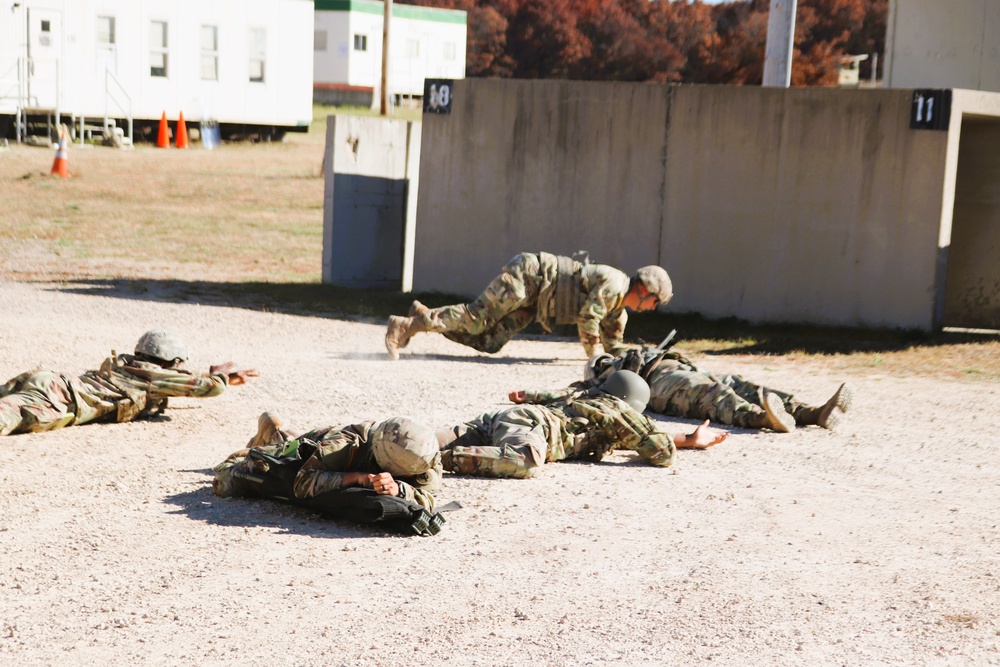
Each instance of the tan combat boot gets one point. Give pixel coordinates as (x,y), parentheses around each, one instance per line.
(269,431)
(832,412)
(778,419)
(418,309)
(399,332)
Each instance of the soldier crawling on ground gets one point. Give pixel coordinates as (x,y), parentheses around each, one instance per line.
(585,424)
(397,459)
(546,288)
(681,388)
(125,387)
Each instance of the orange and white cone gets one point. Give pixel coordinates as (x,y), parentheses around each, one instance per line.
(60,167)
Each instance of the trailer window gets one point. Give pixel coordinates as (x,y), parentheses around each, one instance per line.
(158,48)
(210,53)
(258,54)
(361,42)
(106,30)
(319,40)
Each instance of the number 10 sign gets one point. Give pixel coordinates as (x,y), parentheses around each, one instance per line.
(437,95)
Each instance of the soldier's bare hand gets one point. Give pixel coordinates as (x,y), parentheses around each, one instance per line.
(384,484)
(703,437)
(240,377)
(516,396)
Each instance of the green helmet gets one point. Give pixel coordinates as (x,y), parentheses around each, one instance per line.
(162,345)
(629,387)
(404,447)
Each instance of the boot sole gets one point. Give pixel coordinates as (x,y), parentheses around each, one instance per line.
(779,419)
(833,412)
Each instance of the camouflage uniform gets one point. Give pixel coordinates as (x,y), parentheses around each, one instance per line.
(680,388)
(124,388)
(516,441)
(342,449)
(543,287)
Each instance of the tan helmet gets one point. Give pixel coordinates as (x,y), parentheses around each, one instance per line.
(162,345)
(628,386)
(657,282)
(405,447)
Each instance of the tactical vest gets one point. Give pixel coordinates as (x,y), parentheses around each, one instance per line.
(135,402)
(560,301)
(596,437)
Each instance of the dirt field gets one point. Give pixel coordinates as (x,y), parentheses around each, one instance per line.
(872,545)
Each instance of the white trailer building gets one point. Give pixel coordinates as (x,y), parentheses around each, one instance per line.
(424,43)
(245,63)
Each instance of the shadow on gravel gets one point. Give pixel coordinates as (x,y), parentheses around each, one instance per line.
(203,505)
(492,361)
(319,300)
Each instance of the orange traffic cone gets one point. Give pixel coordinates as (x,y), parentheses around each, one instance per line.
(182,133)
(163,140)
(60,167)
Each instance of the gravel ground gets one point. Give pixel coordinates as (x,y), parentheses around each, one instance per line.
(873,545)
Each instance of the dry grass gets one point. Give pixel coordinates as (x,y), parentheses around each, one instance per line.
(243,224)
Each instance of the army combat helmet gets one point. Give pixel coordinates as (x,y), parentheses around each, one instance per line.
(628,386)
(160,345)
(657,282)
(404,447)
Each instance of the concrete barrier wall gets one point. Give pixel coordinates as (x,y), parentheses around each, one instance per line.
(807,205)
(973,282)
(369,169)
(802,205)
(943,44)
(539,165)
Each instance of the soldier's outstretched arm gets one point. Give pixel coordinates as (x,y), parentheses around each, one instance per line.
(234,376)
(544,396)
(702,437)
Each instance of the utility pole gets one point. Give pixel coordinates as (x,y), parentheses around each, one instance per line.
(780,42)
(385,58)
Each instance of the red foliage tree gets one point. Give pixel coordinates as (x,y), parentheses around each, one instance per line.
(661,40)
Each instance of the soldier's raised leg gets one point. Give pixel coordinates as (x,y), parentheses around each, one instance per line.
(510,291)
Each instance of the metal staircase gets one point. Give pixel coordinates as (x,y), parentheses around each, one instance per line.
(34,121)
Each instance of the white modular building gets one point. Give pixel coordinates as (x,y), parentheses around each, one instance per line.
(247,64)
(424,43)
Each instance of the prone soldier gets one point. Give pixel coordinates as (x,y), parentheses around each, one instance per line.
(585,424)
(397,458)
(681,388)
(125,387)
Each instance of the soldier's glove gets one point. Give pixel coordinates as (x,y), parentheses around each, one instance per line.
(632,361)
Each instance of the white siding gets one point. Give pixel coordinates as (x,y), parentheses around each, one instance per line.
(342,64)
(284,98)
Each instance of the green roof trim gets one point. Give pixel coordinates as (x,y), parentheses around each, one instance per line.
(399,11)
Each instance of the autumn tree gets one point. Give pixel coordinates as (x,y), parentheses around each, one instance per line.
(660,40)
